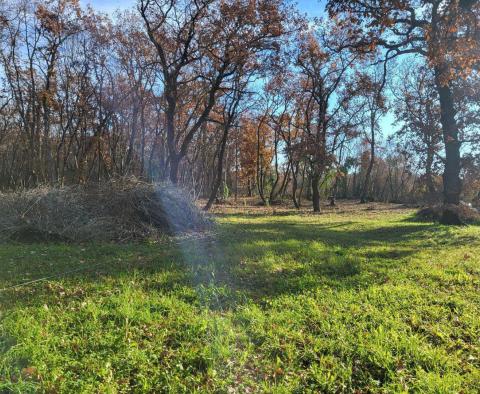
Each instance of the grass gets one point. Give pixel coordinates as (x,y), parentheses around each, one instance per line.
(364,301)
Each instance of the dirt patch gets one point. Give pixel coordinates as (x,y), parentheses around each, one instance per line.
(252,206)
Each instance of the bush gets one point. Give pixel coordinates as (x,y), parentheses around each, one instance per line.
(121,210)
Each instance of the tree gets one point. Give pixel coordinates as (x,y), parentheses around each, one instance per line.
(370,89)
(32,38)
(443,32)
(417,110)
(230,110)
(323,70)
(135,56)
(200,45)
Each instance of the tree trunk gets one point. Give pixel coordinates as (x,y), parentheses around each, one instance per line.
(273,192)
(363,198)
(429,176)
(316,193)
(260,175)
(308,194)
(300,194)
(218,178)
(452,186)
(174,157)
(295,185)
(174,164)
(131,141)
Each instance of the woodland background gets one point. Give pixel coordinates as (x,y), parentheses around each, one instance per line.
(241,98)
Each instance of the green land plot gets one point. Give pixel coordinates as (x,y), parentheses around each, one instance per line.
(365,301)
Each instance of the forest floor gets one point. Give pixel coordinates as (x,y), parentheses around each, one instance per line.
(357,299)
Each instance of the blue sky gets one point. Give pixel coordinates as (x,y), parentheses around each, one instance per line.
(312,7)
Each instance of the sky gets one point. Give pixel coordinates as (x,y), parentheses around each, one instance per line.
(312,7)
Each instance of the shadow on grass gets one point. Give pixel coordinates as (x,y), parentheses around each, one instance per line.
(333,234)
(246,261)
(276,258)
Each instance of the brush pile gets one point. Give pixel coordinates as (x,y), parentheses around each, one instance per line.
(121,211)
(449,214)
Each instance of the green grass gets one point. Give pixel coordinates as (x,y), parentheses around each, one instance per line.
(354,302)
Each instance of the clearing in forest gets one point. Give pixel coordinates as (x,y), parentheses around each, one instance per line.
(362,300)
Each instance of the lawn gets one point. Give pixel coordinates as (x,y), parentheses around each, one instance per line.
(347,301)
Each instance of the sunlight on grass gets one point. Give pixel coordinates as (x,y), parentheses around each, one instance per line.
(292,303)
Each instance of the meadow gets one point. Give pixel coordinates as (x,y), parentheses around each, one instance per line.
(361,300)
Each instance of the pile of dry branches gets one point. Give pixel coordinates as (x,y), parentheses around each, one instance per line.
(121,211)
(450,214)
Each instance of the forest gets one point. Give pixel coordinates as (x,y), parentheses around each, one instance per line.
(239,196)
(242,98)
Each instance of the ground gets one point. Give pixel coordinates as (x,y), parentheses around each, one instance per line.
(357,299)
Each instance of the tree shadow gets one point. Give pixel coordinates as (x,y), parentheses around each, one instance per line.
(247,262)
(273,259)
